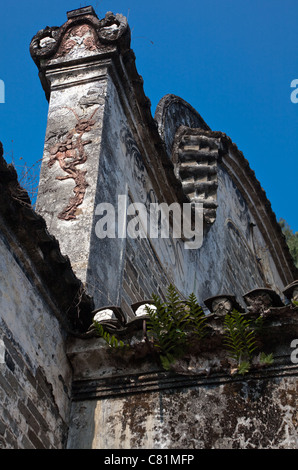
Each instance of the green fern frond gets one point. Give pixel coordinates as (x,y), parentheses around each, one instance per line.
(171,322)
(266,359)
(239,338)
(111,340)
(243,367)
(197,318)
(166,325)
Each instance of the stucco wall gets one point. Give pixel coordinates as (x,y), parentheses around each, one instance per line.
(255,414)
(132,269)
(70,108)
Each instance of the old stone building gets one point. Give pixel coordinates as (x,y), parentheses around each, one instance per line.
(61,385)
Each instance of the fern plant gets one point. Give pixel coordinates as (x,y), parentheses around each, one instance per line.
(165,326)
(266,359)
(240,339)
(170,324)
(243,367)
(196,317)
(111,340)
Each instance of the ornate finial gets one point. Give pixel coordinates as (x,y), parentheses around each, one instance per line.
(83,33)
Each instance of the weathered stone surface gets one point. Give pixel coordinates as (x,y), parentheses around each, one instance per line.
(173,112)
(259,414)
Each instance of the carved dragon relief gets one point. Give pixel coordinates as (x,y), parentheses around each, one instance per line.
(69,154)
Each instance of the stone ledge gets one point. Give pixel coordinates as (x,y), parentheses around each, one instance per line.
(160,380)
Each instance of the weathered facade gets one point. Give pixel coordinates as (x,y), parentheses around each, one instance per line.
(102,145)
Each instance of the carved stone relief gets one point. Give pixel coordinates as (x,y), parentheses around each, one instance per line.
(77,39)
(70,153)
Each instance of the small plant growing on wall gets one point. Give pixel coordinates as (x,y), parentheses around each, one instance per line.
(172,323)
(240,341)
(111,340)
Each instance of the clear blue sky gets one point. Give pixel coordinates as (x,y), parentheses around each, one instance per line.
(232,60)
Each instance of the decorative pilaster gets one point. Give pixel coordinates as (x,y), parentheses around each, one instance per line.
(74,62)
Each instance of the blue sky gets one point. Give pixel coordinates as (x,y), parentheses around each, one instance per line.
(232,60)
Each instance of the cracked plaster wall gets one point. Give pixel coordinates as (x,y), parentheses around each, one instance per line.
(252,414)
